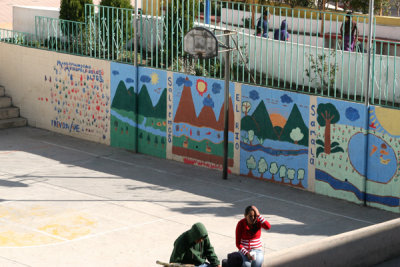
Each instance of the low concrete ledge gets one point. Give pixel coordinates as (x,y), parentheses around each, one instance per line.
(363,247)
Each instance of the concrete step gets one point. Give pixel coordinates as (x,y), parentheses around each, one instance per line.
(5,102)
(10,123)
(9,113)
(2,90)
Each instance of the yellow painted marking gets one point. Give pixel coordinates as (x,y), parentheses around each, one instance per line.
(50,225)
(12,238)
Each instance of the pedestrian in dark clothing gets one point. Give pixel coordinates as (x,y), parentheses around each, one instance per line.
(263,24)
(349,32)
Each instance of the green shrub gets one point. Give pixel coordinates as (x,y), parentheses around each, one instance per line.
(73,9)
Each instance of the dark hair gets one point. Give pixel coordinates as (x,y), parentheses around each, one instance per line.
(247,210)
(265,13)
(253,228)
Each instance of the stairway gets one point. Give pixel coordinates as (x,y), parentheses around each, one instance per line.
(9,115)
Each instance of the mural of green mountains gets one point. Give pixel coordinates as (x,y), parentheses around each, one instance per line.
(294,131)
(146,108)
(124,99)
(260,123)
(295,121)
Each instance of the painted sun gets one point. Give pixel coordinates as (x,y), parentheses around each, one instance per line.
(154,78)
(201,87)
(381,120)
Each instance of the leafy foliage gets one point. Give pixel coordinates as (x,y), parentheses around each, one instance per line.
(327,113)
(323,69)
(73,9)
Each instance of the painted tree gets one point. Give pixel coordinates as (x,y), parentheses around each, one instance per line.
(300,174)
(251,164)
(163,141)
(156,140)
(262,167)
(251,136)
(296,135)
(327,115)
(282,172)
(273,169)
(290,174)
(246,106)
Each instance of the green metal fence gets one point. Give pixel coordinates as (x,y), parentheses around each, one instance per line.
(312,55)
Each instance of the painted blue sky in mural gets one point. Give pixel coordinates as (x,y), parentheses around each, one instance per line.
(122,72)
(276,101)
(155,81)
(201,88)
(350,113)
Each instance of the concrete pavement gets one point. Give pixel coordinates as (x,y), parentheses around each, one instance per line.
(69,202)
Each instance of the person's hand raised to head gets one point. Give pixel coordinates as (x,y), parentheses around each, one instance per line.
(256,210)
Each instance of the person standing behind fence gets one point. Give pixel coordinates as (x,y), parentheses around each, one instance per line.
(282,33)
(349,32)
(248,237)
(263,24)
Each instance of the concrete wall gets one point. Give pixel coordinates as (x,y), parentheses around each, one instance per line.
(389,31)
(24,17)
(354,248)
(332,147)
(59,92)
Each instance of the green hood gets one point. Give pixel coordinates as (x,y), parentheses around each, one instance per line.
(197,231)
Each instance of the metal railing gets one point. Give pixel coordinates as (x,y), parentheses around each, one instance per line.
(311,55)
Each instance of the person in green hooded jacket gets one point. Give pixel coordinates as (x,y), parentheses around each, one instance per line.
(194,247)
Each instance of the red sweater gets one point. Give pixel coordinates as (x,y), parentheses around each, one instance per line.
(247,240)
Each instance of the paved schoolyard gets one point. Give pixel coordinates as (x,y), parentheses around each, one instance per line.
(68,202)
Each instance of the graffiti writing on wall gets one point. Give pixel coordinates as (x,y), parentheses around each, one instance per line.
(65,125)
(79,96)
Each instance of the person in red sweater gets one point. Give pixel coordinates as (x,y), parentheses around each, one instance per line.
(248,237)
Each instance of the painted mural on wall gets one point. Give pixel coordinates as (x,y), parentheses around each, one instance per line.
(198,108)
(123,106)
(383,158)
(274,135)
(341,136)
(152,109)
(79,96)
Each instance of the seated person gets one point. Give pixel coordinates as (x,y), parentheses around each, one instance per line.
(282,33)
(194,247)
(258,33)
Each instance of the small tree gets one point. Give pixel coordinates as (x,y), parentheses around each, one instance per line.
(246,106)
(300,174)
(322,69)
(73,9)
(251,164)
(296,135)
(273,169)
(282,172)
(251,136)
(290,174)
(178,20)
(262,167)
(163,141)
